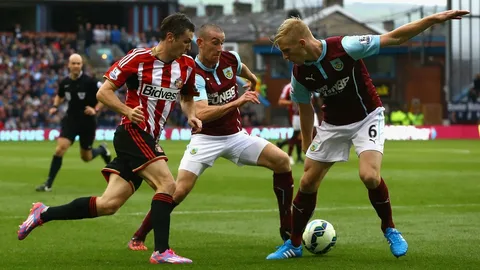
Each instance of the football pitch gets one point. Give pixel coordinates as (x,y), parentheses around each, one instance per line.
(230,220)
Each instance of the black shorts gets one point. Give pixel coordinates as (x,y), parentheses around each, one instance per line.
(85,128)
(135,149)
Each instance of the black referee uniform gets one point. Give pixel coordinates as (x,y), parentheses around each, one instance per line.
(79,93)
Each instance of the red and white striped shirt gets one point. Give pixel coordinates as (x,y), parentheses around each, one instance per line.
(153,84)
(292,108)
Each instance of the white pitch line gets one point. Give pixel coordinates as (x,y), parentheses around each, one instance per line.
(235,211)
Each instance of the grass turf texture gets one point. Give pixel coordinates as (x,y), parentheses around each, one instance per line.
(230,220)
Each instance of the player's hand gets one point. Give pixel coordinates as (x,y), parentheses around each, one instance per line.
(250,85)
(249,96)
(89,111)
(195,124)
(136,115)
(449,15)
(306,145)
(53,111)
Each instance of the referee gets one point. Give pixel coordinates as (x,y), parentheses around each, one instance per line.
(80,92)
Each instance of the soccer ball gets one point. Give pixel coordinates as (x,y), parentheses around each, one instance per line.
(319,236)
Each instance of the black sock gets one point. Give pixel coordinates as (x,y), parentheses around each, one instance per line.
(98,151)
(281,144)
(174,204)
(80,208)
(54,168)
(162,206)
(298,146)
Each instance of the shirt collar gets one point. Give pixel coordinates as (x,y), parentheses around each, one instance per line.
(197,60)
(324,52)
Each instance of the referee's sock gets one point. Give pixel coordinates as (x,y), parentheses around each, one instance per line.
(98,151)
(54,168)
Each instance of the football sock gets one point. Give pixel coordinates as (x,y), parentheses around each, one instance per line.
(283,188)
(281,144)
(54,168)
(80,208)
(381,202)
(162,206)
(298,146)
(146,227)
(290,148)
(303,207)
(98,151)
(292,142)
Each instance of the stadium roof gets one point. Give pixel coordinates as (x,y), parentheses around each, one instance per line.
(336,8)
(250,27)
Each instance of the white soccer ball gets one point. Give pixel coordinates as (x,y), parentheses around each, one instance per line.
(319,236)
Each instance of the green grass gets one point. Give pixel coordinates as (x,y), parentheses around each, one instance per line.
(229,221)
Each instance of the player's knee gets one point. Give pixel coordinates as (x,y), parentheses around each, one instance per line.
(283,163)
(106,207)
(370,177)
(180,194)
(60,150)
(168,187)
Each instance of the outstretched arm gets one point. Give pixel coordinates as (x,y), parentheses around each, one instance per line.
(410,30)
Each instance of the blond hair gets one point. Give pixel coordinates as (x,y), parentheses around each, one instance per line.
(290,28)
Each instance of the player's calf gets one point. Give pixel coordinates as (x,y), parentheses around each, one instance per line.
(108,206)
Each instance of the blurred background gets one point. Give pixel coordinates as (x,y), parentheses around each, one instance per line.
(432,81)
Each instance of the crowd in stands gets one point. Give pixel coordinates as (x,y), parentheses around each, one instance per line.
(32,65)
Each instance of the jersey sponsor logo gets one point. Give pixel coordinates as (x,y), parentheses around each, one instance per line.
(337,64)
(228,72)
(157,92)
(114,73)
(336,89)
(222,98)
(365,40)
(179,83)
(81,95)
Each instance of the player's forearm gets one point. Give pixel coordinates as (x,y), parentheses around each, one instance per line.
(57,101)
(247,74)
(109,99)
(306,123)
(410,30)
(284,102)
(188,106)
(212,113)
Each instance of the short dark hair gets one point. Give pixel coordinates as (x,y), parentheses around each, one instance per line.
(176,24)
(294,13)
(204,28)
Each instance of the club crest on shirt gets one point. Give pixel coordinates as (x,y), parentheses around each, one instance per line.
(194,151)
(228,72)
(365,40)
(314,147)
(81,95)
(179,83)
(114,74)
(337,64)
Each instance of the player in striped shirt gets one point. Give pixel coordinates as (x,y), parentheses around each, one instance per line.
(155,78)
